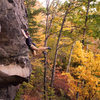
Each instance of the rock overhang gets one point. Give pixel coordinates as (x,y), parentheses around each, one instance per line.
(14,61)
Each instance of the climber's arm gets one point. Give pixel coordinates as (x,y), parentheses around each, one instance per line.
(24,33)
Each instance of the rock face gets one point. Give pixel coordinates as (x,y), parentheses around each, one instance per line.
(14,62)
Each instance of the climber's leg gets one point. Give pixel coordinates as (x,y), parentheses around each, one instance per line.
(40,48)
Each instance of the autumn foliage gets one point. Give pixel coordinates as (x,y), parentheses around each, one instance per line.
(86,72)
(82,82)
(83,77)
(65,85)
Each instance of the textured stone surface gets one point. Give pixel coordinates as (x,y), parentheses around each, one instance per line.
(12,18)
(13,49)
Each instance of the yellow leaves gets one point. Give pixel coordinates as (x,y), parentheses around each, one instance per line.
(67,26)
(88,81)
(78,53)
(97,57)
(57,19)
(65,41)
(85,74)
(37,63)
(65,73)
(56,27)
(90,31)
(88,72)
(87,59)
(68,74)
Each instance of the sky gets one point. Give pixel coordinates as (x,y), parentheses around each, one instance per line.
(43,2)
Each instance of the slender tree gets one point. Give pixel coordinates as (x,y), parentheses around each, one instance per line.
(57,46)
(45,44)
(47,34)
(86,19)
(70,56)
(84,33)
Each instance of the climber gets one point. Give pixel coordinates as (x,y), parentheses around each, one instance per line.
(31,45)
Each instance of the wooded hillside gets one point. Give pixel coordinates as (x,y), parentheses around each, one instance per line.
(71,69)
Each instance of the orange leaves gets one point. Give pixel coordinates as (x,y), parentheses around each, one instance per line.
(67,83)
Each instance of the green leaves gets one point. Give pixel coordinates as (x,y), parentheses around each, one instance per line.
(32,12)
(94,22)
(37,11)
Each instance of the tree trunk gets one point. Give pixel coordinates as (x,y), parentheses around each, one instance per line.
(86,19)
(84,32)
(70,56)
(56,52)
(45,53)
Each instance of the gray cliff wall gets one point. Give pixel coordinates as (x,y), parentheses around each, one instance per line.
(14,62)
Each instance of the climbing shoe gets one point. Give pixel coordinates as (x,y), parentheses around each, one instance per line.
(44,52)
(49,48)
